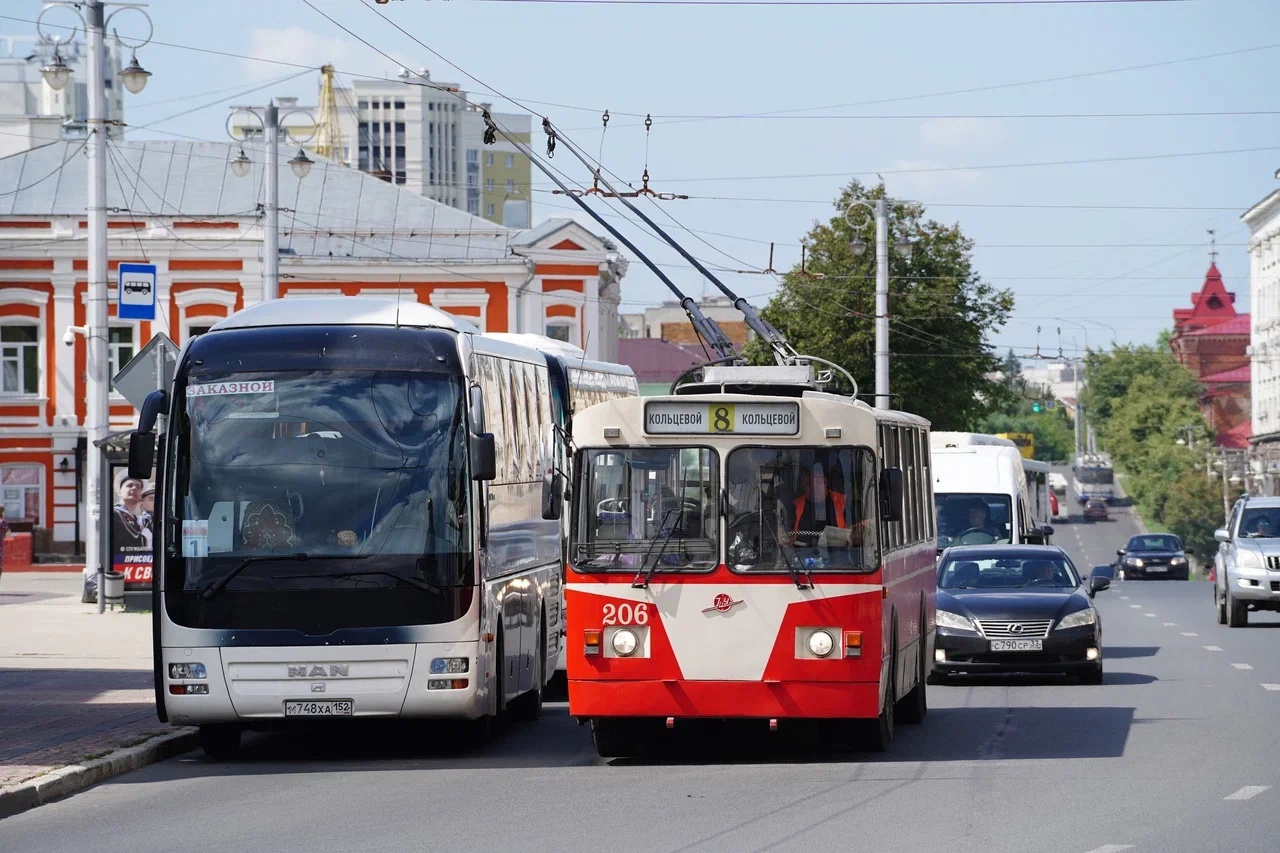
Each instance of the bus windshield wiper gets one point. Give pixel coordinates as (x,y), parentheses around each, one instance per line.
(787,558)
(221,583)
(638,582)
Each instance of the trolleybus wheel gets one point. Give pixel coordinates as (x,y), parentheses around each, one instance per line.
(616,737)
(880,730)
(915,705)
(220,740)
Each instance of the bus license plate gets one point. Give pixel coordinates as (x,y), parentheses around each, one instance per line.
(1017,645)
(324,708)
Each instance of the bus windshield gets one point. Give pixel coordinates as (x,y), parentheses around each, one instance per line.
(1094,475)
(647,508)
(973,519)
(800,509)
(349,480)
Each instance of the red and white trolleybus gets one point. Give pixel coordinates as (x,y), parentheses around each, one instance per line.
(750,547)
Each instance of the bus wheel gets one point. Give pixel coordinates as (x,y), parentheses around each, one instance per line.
(616,737)
(527,707)
(880,730)
(220,740)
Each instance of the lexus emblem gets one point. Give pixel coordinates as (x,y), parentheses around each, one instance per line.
(721,604)
(1015,628)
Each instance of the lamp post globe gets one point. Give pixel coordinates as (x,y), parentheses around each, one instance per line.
(301,164)
(857,246)
(240,165)
(135,76)
(904,247)
(56,73)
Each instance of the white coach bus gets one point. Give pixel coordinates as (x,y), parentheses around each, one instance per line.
(358,520)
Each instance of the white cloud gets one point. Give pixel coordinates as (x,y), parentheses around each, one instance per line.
(960,134)
(304,47)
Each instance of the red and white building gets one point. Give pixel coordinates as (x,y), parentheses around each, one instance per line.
(179,206)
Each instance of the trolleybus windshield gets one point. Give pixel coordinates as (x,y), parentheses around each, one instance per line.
(806,508)
(301,481)
(647,508)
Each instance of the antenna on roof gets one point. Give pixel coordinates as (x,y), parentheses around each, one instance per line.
(1213,245)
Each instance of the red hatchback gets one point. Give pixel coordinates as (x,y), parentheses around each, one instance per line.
(1095,511)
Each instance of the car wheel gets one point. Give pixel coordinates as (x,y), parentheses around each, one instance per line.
(220,740)
(1219,606)
(1092,675)
(1237,611)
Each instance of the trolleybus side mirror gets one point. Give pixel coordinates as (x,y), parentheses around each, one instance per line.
(142,454)
(891,494)
(484,457)
(551,502)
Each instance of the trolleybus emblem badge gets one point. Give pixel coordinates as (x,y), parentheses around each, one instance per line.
(721,604)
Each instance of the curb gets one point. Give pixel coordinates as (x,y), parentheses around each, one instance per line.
(69,780)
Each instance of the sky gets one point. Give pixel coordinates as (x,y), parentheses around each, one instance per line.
(928,96)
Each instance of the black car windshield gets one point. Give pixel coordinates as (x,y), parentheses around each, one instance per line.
(1260,523)
(1154,542)
(1000,572)
(326,479)
(800,509)
(973,519)
(647,508)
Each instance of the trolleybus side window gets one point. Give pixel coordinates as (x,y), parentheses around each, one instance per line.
(809,508)
(643,508)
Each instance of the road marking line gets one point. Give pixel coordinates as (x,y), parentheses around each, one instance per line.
(1271,687)
(1247,792)
(1124,598)
(1213,648)
(1241,666)
(1190,634)
(1136,606)
(1148,614)
(1111,848)
(1170,624)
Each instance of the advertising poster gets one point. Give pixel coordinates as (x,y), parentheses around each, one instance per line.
(131,528)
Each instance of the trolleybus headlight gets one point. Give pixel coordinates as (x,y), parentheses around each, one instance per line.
(821,644)
(187,670)
(625,641)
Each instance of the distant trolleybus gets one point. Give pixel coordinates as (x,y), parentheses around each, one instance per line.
(749,548)
(1093,477)
(358,520)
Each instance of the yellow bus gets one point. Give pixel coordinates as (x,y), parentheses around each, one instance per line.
(1026,442)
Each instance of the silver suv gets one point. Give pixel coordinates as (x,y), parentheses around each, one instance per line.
(1247,565)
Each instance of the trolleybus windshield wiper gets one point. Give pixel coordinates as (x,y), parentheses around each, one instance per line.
(788,558)
(646,566)
(221,583)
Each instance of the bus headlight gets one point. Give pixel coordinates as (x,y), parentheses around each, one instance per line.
(440,666)
(821,644)
(187,670)
(625,642)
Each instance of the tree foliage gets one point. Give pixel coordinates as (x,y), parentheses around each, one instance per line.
(1054,434)
(941,312)
(1109,375)
(1193,511)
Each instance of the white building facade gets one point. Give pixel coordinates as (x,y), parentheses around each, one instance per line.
(344,233)
(1263,221)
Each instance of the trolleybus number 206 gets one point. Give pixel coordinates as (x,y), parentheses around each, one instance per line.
(626,614)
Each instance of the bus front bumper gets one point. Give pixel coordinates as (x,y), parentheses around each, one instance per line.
(724,699)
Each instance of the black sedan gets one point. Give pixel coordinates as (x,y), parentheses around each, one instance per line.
(1008,608)
(1153,555)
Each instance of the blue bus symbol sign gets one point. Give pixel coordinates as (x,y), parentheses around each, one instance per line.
(136,294)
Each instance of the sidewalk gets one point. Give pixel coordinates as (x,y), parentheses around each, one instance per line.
(75,686)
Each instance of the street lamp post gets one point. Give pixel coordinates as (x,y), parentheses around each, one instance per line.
(97,370)
(300,165)
(880,211)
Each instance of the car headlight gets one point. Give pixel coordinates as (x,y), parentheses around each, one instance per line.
(625,642)
(1246,559)
(954,621)
(1079,619)
(821,644)
(1178,561)
(1136,562)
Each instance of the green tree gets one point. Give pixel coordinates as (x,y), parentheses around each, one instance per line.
(941,313)
(1193,510)
(1053,432)
(1147,416)
(1109,375)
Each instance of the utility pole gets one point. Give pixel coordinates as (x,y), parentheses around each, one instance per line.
(882,303)
(271,239)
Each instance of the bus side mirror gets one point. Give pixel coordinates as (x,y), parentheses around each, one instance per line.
(551,501)
(484,457)
(142,454)
(477,410)
(891,494)
(153,406)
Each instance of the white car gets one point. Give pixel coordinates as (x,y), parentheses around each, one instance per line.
(1058,483)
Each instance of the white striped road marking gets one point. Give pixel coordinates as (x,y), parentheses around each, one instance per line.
(1148,614)
(1271,687)
(1136,606)
(1124,598)
(1213,648)
(1111,848)
(1247,792)
(1241,666)
(1190,634)
(1169,624)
